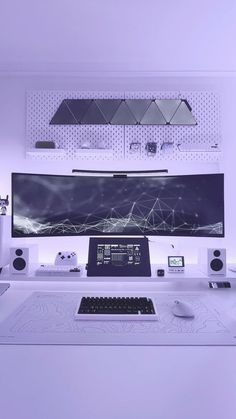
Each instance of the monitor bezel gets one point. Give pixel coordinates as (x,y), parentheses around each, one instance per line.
(178,234)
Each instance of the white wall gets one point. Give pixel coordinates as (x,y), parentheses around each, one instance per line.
(12,147)
(151,35)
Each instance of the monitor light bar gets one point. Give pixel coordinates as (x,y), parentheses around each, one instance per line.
(120,174)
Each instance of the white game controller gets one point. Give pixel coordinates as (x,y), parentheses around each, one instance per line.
(66,258)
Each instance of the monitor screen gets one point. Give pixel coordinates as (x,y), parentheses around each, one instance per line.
(52,205)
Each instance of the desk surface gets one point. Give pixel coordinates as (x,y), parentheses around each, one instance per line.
(89,382)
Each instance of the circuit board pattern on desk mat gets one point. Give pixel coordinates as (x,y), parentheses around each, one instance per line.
(48,318)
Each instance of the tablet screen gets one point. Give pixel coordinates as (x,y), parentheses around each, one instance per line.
(118,257)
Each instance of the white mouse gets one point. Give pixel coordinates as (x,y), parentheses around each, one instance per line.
(181,309)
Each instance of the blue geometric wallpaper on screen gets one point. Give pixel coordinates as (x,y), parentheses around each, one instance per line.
(187,205)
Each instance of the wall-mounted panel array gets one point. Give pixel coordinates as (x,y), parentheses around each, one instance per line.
(112,141)
(124,112)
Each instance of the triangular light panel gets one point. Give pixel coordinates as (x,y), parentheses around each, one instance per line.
(78,107)
(183,115)
(63,116)
(93,116)
(123,116)
(108,107)
(138,107)
(168,107)
(153,116)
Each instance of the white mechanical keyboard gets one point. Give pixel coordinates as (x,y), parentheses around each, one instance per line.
(116,308)
(58,270)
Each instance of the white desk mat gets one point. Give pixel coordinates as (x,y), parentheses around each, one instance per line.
(47,318)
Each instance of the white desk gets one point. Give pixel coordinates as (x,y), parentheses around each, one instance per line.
(191,272)
(89,382)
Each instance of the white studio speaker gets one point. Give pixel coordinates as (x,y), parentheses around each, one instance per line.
(22,259)
(5,224)
(213,261)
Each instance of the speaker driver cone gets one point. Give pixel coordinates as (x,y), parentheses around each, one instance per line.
(19,264)
(216,265)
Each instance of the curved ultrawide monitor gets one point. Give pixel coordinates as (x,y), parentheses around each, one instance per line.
(52,205)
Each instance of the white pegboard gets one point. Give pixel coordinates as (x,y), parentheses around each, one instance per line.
(41,106)
(206,110)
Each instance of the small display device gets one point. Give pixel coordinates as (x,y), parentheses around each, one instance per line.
(176,264)
(118,257)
